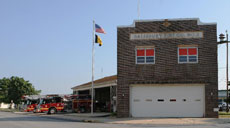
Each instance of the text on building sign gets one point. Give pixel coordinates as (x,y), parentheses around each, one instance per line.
(165,35)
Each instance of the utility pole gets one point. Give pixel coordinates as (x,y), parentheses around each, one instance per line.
(222,37)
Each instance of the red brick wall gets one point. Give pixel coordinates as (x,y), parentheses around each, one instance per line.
(166,68)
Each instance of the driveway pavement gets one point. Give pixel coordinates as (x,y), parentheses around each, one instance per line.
(136,121)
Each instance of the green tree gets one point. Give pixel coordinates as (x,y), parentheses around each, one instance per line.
(4,89)
(14,88)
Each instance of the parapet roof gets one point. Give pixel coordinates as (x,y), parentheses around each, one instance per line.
(175,19)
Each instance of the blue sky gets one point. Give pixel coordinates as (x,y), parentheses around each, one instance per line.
(49,42)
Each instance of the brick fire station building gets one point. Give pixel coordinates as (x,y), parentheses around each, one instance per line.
(167,68)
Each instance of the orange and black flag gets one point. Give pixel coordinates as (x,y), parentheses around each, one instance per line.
(98,40)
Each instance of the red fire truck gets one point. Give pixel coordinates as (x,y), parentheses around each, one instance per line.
(29,103)
(52,104)
(81,103)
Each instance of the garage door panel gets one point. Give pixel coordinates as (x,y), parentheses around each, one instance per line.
(167,101)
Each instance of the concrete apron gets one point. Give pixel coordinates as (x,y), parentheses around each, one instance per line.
(105,118)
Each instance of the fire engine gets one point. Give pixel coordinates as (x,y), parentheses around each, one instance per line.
(52,104)
(81,103)
(29,103)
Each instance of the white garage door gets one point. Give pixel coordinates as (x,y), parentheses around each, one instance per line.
(167,100)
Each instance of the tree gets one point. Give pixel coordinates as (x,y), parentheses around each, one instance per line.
(14,88)
(4,89)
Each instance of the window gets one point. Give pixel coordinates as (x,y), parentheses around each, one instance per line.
(172,100)
(188,55)
(136,100)
(160,100)
(197,99)
(149,100)
(145,55)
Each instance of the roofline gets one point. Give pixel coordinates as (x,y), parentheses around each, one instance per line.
(80,86)
(89,87)
(89,83)
(174,19)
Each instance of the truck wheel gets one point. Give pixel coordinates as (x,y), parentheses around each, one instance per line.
(52,111)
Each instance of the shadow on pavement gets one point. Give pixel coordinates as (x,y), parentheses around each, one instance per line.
(218,120)
(36,118)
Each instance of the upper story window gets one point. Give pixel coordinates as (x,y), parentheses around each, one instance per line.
(187,55)
(145,55)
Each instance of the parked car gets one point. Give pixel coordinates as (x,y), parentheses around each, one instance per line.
(223,106)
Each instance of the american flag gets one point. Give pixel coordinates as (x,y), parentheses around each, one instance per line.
(99,29)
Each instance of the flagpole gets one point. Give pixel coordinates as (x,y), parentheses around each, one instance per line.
(92,90)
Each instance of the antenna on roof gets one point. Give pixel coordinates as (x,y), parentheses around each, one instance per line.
(138,9)
(101,72)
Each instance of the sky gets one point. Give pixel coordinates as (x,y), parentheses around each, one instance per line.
(49,42)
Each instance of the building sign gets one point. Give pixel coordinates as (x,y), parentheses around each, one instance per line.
(166,35)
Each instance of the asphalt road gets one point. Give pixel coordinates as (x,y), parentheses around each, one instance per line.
(12,120)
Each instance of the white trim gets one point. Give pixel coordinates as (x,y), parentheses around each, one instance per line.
(178,56)
(146,46)
(204,102)
(111,82)
(100,86)
(130,101)
(174,19)
(166,35)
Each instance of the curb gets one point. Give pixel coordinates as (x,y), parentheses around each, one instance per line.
(60,118)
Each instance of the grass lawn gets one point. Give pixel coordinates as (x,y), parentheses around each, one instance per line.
(8,110)
(224,115)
